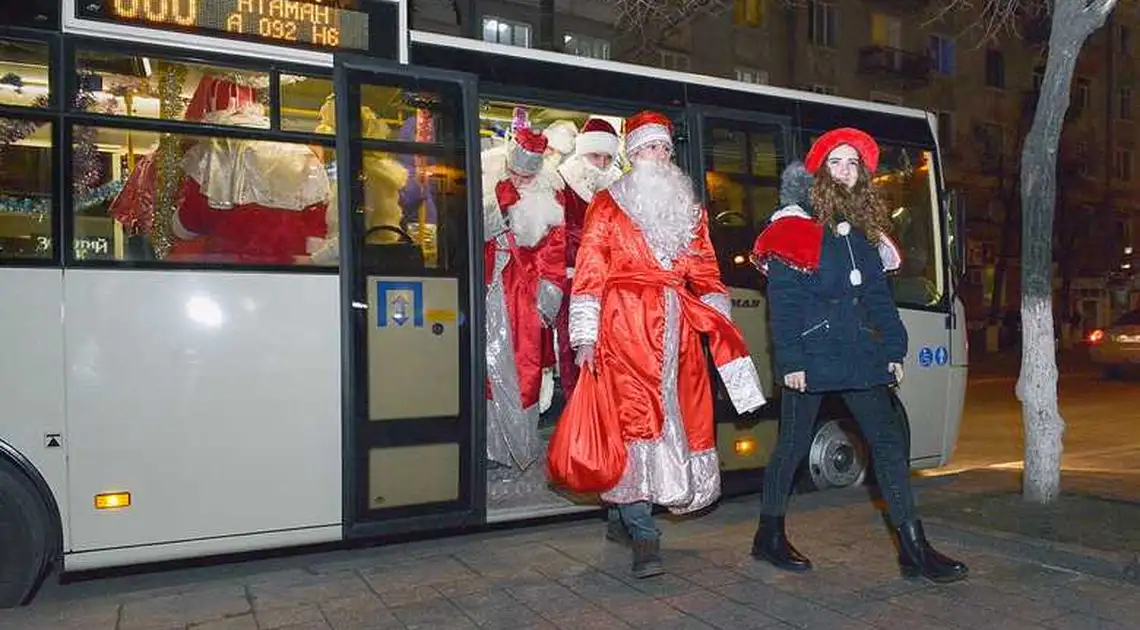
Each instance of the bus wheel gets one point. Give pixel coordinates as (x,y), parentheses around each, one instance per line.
(24,529)
(837,459)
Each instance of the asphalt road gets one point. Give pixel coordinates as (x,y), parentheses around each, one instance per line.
(1102,434)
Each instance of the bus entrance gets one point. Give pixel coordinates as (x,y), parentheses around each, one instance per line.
(409,279)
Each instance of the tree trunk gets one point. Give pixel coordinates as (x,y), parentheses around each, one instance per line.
(1073,22)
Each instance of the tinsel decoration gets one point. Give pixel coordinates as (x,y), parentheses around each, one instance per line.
(169,174)
(86,167)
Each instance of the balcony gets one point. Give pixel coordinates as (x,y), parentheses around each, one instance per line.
(910,69)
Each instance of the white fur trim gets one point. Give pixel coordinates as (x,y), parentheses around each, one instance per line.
(890,254)
(575,173)
(790,211)
(181,231)
(524,162)
(596,142)
(585,315)
(645,134)
(560,136)
(720,301)
(743,384)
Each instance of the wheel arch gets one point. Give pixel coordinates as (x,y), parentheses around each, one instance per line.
(12,455)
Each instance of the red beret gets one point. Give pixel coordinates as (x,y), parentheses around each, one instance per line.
(863,144)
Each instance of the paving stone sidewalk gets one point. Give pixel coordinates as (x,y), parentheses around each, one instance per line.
(568,576)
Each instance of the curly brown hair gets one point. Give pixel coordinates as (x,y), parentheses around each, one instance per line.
(861,205)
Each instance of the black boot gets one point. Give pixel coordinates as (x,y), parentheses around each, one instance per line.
(918,559)
(646,558)
(771,543)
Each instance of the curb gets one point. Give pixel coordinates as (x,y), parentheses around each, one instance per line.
(1120,567)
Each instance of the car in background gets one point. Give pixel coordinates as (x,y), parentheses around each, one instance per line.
(1116,349)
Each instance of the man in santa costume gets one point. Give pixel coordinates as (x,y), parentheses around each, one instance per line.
(646,287)
(590,169)
(526,271)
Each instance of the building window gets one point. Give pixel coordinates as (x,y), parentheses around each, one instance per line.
(886,31)
(1124,165)
(942,53)
(945,130)
(1081,157)
(674,61)
(748,12)
(751,75)
(823,89)
(1124,104)
(995,69)
(883,97)
(1083,94)
(992,137)
(823,23)
(583,46)
(1123,42)
(500,31)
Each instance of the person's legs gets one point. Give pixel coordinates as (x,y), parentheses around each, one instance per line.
(872,410)
(798,412)
(615,528)
(638,519)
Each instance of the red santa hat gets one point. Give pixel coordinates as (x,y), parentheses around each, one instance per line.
(215,95)
(645,127)
(560,136)
(598,136)
(863,144)
(526,154)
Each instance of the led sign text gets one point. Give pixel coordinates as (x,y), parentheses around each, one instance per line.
(313,22)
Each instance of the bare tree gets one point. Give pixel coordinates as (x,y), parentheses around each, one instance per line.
(1072,23)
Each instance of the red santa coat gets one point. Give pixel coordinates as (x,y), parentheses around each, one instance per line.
(251,201)
(645,313)
(525,277)
(578,192)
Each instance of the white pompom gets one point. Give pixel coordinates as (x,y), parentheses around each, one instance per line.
(844,228)
(856,277)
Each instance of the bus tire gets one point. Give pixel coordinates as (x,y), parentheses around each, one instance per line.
(24,530)
(837,458)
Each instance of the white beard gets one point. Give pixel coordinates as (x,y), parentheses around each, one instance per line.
(659,198)
(585,179)
(535,213)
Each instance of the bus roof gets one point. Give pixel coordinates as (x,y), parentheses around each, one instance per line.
(564,59)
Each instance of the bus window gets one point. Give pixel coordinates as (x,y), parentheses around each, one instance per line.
(906,185)
(199,199)
(150,87)
(24,74)
(307,104)
(743,162)
(26,184)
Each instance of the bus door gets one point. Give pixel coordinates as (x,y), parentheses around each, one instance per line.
(410,278)
(738,158)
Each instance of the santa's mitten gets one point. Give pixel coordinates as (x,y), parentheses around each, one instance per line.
(507,194)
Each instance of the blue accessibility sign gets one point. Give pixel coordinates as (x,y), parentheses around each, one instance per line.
(399,303)
(941,355)
(925,356)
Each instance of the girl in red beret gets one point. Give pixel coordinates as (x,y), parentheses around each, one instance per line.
(836,329)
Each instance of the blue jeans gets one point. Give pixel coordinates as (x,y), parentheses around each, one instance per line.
(637,519)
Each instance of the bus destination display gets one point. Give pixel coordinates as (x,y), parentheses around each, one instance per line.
(316,23)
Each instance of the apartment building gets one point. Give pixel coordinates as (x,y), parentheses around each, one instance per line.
(900,52)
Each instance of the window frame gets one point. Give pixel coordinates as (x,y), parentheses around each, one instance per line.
(995,69)
(823,16)
(49,114)
(71,118)
(514,24)
(943,52)
(1124,103)
(591,40)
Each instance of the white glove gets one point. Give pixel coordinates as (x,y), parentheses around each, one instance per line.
(796,381)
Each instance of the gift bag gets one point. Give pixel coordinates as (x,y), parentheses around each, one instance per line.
(586,453)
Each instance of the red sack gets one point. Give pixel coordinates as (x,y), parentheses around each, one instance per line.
(587,452)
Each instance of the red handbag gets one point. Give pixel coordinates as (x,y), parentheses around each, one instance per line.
(587,453)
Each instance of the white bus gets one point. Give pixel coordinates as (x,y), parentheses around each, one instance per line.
(173,386)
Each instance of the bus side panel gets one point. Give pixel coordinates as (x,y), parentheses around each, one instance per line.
(923,389)
(31,374)
(213,398)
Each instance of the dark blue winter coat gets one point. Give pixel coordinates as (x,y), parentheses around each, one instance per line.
(842,336)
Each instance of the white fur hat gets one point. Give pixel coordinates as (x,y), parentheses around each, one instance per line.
(561,135)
